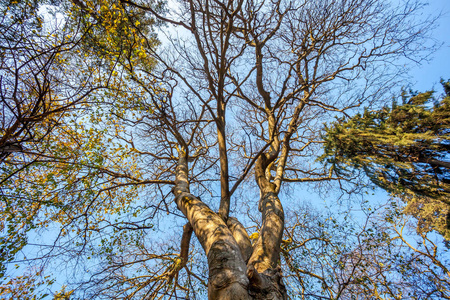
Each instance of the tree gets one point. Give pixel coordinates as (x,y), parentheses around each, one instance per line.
(36,85)
(46,83)
(377,258)
(35,89)
(34,95)
(235,104)
(403,149)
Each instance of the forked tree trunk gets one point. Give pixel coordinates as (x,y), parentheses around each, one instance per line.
(237,270)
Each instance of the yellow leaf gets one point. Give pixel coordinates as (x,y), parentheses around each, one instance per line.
(254,235)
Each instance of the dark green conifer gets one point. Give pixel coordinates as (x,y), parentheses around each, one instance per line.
(404,149)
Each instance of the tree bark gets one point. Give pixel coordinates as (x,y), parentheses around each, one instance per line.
(228,248)
(263,266)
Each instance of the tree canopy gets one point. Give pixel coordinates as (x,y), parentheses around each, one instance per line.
(405,150)
(51,74)
(179,165)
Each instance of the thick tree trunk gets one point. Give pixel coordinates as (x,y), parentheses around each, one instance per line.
(263,267)
(236,269)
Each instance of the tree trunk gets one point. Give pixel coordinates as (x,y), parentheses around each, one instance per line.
(236,269)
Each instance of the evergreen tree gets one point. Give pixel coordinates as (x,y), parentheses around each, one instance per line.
(404,149)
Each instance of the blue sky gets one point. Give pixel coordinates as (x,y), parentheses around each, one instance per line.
(427,75)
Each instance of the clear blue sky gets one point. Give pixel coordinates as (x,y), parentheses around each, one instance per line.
(427,75)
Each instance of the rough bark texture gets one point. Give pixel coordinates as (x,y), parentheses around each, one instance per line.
(236,269)
(227,279)
(263,271)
